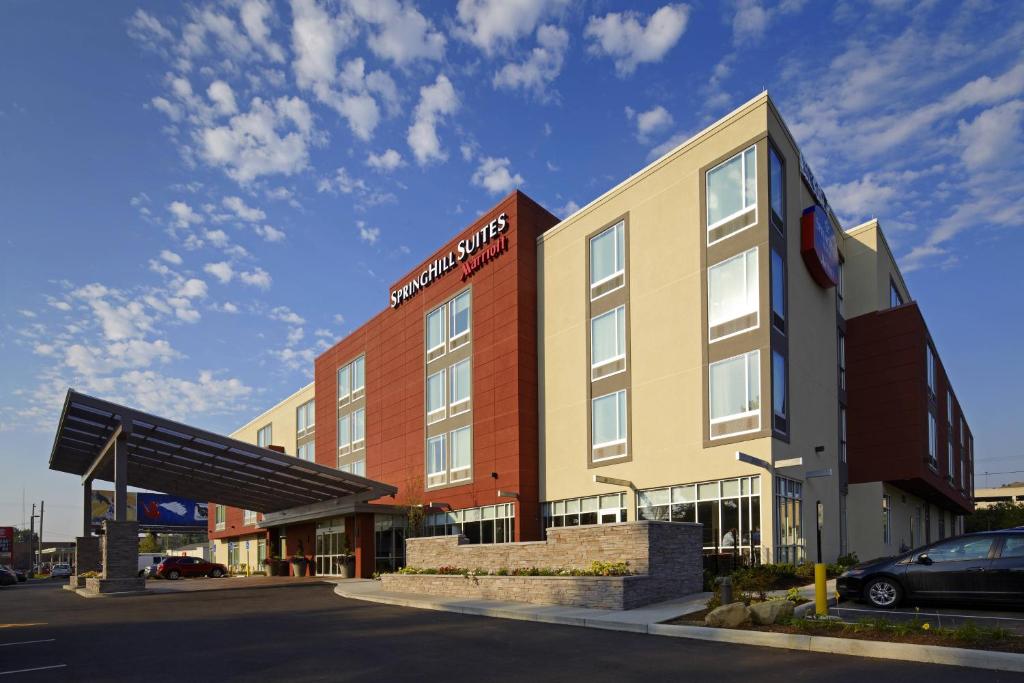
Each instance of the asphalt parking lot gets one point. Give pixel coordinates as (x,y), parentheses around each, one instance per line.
(304,632)
(941,617)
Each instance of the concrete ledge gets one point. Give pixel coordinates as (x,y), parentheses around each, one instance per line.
(801,611)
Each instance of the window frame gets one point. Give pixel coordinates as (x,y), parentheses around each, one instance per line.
(886,519)
(621,412)
(442,346)
(359,443)
(467,469)
(784,416)
(441,412)
(432,478)
(619,242)
(777,260)
(268,440)
(778,221)
(931,368)
(755,251)
(841,358)
(455,340)
(746,384)
(347,396)
(933,441)
(347,444)
(620,336)
(455,407)
(742,154)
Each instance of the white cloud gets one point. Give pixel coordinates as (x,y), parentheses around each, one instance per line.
(436,101)
(631,42)
(317,38)
(271,138)
(860,199)
(569,208)
(650,121)
(223,98)
(752,19)
(169,109)
(402,33)
(295,335)
(494,176)
(193,288)
(541,67)
(147,29)
(27,313)
(368,234)
(221,270)
(492,25)
(254,15)
(993,138)
(183,214)
(228,307)
(257,278)
(217,238)
(242,210)
(176,397)
(118,322)
(170,257)
(61,305)
(386,161)
(286,315)
(269,233)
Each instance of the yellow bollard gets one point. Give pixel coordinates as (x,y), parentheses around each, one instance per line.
(820,594)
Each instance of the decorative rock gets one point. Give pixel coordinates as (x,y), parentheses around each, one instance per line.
(770,612)
(732,615)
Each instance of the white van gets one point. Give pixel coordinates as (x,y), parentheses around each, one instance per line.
(149,560)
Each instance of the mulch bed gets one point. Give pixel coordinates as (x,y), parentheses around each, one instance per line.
(1014,644)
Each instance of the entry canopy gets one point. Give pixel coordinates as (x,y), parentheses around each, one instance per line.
(167,456)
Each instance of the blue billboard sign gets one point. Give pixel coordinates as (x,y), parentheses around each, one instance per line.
(152,510)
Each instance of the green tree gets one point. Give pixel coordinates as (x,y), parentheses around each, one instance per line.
(150,544)
(1000,516)
(25,535)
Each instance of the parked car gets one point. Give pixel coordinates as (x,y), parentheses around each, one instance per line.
(981,567)
(60,570)
(7,576)
(18,573)
(179,567)
(148,564)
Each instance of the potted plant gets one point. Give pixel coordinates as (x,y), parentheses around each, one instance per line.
(298,561)
(270,566)
(348,563)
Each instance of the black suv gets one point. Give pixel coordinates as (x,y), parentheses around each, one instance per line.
(986,566)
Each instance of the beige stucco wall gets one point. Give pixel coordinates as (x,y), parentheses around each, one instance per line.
(907,520)
(282,417)
(668,391)
(870,266)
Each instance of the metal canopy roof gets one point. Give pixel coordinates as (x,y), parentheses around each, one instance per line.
(170,457)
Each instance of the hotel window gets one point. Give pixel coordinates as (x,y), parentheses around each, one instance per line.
(789,539)
(842,433)
(344,383)
(608,429)
(435,397)
(459,320)
(949,412)
(886,520)
(435,332)
(488,524)
(462,455)
(777,188)
(732,296)
(220,515)
(779,399)
(841,352)
(735,395)
(950,465)
(778,291)
(608,343)
(841,285)
(248,517)
(305,417)
(930,360)
(437,461)
(264,437)
(306,451)
(932,442)
(730,511)
(895,298)
(608,260)
(460,386)
(608,508)
(732,195)
(358,377)
(358,468)
(344,432)
(358,429)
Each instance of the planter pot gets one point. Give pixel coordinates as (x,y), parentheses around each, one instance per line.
(348,568)
(269,569)
(299,567)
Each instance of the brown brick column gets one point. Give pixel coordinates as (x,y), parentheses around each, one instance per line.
(120,550)
(363,544)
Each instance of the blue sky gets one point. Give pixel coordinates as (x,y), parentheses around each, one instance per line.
(195,200)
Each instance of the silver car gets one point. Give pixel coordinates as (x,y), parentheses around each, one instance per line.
(62,570)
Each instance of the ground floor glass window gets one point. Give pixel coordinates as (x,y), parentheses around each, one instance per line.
(389,533)
(604,509)
(789,538)
(729,509)
(487,524)
(331,547)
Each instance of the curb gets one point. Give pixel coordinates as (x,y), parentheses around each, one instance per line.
(927,654)
(801,611)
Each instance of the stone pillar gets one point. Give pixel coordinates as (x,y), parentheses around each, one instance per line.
(120,544)
(87,559)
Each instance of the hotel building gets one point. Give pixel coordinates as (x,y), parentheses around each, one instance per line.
(703,342)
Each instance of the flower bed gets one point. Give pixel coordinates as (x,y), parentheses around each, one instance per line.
(595,569)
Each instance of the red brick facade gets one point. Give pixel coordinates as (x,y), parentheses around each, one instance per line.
(504,375)
(888,406)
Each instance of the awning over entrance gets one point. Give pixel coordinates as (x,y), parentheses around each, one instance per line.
(101,440)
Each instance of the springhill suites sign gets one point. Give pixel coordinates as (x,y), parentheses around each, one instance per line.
(471,253)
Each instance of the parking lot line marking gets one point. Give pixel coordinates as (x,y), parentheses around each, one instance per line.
(29,642)
(38,668)
(31,623)
(925,614)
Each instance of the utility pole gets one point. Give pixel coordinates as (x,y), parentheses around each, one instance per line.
(32,534)
(42,505)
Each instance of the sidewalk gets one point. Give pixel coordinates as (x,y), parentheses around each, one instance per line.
(636,620)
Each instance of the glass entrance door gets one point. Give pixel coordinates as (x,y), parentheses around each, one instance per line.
(331,546)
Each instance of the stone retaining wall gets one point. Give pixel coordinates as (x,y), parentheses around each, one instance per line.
(666,557)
